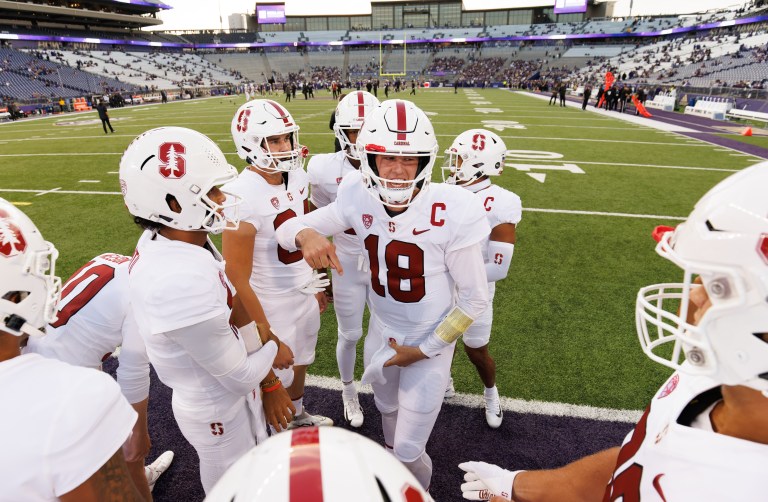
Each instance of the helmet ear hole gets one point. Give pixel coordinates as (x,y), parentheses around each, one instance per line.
(173,204)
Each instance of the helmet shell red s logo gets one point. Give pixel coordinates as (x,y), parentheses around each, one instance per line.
(478,142)
(242,120)
(173,164)
(12,241)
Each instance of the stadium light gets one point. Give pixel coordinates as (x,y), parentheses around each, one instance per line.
(335,8)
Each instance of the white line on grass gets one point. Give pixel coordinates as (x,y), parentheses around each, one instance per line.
(598,213)
(691,168)
(560,211)
(48,191)
(583,139)
(89,181)
(509,404)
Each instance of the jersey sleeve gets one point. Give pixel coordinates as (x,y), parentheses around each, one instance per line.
(92,425)
(317,195)
(133,371)
(473,226)
(246,210)
(183,299)
(508,210)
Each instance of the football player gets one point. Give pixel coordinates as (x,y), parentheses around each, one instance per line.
(423,243)
(473,157)
(277,289)
(180,296)
(705,434)
(92,319)
(64,425)
(351,289)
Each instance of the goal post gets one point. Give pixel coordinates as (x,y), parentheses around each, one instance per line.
(397,50)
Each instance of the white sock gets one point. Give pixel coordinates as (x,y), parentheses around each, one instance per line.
(299,405)
(491,392)
(349,389)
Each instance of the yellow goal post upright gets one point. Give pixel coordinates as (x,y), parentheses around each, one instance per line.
(382,69)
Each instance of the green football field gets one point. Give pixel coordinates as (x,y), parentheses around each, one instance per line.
(593,188)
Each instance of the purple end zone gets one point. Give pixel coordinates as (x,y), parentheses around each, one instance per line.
(524,441)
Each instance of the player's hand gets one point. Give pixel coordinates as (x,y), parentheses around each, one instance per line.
(485,481)
(322,301)
(278,408)
(284,358)
(317,284)
(137,447)
(404,354)
(318,251)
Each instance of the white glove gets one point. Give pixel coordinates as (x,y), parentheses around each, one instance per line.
(317,284)
(484,481)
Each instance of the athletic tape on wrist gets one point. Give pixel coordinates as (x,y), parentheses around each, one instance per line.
(454,325)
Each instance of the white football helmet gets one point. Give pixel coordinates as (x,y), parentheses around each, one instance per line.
(28,282)
(396,128)
(318,463)
(725,242)
(481,152)
(350,113)
(185,164)
(259,119)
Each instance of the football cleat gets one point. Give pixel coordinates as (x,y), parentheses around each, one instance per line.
(156,468)
(493,412)
(353,412)
(450,391)
(307,420)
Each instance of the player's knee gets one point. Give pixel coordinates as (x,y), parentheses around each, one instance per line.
(408,453)
(385,408)
(348,338)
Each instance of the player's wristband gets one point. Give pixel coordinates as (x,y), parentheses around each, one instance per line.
(272,387)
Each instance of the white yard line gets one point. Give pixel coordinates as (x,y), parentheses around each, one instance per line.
(691,168)
(509,404)
(532,209)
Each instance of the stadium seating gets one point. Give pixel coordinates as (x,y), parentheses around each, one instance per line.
(662,102)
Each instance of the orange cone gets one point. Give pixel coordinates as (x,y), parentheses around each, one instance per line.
(747,132)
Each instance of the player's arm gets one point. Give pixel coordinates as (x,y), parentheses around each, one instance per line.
(111,482)
(584,480)
(133,378)
(237,250)
(467,268)
(213,346)
(501,246)
(309,233)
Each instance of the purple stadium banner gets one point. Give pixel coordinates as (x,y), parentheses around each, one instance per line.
(570,6)
(144,43)
(147,4)
(270,14)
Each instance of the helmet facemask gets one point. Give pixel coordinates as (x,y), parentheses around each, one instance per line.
(726,343)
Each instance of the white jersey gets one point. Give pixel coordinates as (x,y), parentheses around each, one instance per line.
(175,285)
(275,270)
(92,314)
(325,174)
(410,282)
(62,423)
(501,206)
(663,459)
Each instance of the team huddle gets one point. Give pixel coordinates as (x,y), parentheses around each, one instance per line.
(233,332)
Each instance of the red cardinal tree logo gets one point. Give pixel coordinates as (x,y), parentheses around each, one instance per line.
(173,164)
(11,239)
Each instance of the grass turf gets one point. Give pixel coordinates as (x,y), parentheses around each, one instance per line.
(563,319)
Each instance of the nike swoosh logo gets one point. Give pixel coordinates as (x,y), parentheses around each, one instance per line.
(657,486)
(301,191)
(417,232)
